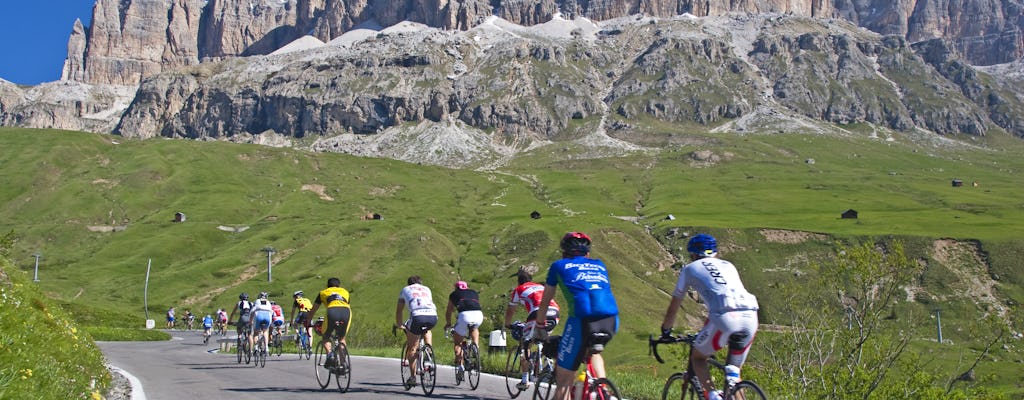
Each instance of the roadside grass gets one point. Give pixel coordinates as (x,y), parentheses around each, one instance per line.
(100,212)
(43,355)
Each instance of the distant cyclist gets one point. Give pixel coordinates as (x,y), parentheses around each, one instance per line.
(303,305)
(529,295)
(593,309)
(262,317)
(732,311)
(222,319)
(277,320)
(467,302)
(207,325)
(339,312)
(243,307)
(170,318)
(422,318)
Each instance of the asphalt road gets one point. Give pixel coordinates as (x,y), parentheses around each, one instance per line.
(185,368)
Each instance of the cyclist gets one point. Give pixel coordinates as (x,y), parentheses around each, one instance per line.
(593,309)
(422,318)
(339,314)
(529,295)
(732,311)
(261,315)
(189,320)
(303,305)
(170,318)
(243,307)
(222,319)
(207,325)
(467,302)
(277,320)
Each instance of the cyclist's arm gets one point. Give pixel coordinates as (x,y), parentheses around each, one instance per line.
(448,313)
(670,314)
(510,311)
(398,312)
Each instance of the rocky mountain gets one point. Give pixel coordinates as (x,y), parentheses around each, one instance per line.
(473,82)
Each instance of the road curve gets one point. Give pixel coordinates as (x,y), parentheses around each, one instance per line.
(184,367)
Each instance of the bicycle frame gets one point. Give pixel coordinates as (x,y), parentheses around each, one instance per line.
(741,390)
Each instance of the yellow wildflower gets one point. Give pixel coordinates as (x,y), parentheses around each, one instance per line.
(96,395)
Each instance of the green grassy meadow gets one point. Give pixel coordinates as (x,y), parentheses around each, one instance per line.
(99,209)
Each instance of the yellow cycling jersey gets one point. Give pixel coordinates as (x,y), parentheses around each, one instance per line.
(333,297)
(304,304)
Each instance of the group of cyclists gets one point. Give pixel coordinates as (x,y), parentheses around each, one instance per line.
(591,322)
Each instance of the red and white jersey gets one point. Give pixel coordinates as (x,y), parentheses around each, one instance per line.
(278,313)
(529,295)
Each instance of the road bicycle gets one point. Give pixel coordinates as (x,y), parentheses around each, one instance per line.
(302,342)
(242,345)
(587,384)
(426,366)
(222,328)
(336,363)
(276,343)
(685,385)
(189,322)
(536,361)
(206,334)
(260,349)
(470,359)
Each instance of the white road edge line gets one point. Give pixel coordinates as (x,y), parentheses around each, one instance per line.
(137,392)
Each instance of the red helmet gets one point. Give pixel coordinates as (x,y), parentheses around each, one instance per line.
(575,243)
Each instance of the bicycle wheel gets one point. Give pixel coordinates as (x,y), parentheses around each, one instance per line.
(677,387)
(747,390)
(323,375)
(278,345)
(262,353)
(472,365)
(544,389)
(429,367)
(239,348)
(343,371)
(603,389)
(512,373)
(404,368)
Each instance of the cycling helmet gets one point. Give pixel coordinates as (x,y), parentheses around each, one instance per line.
(575,243)
(297,293)
(263,295)
(243,296)
(703,245)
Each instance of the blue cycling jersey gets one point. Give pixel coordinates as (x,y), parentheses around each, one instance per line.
(585,282)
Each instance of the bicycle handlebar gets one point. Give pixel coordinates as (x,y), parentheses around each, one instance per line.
(653,343)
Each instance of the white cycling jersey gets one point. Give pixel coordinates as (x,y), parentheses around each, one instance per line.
(718,283)
(419,300)
(261,305)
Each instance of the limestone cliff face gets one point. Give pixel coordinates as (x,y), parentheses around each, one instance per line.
(133,39)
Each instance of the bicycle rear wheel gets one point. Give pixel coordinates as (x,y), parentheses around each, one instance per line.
(472,365)
(262,353)
(747,390)
(429,368)
(323,375)
(343,370)
(604,389)
(512,373)
(678,387)
(239,348)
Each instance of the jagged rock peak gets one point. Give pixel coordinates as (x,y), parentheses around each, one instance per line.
(133,39)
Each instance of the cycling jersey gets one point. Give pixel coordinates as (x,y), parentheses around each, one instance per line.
(261,314)
(419,300)
(465,299)
(528,295)
(303,304)
(208,322)
(278,317)
(584,281)
(333,297)
(718,284)
(222,316)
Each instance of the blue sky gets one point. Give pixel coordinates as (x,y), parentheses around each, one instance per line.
(34,37)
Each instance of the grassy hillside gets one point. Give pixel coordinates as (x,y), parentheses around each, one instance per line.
(99,209)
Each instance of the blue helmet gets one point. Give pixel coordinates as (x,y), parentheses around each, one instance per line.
(703,245)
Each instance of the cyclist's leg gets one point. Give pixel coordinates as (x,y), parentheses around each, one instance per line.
(607,326)
(570,356)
